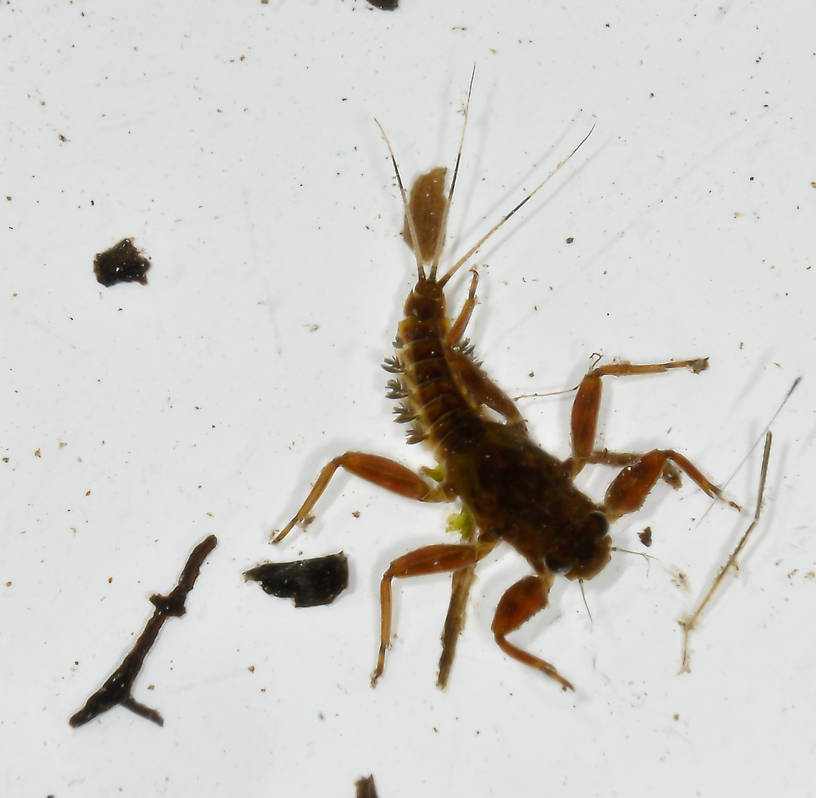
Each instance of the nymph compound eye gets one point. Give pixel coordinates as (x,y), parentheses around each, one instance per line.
(601,523)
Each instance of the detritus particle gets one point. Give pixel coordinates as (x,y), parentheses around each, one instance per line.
(311,583)
(122,263)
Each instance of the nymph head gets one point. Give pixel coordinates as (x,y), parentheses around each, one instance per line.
(583,551)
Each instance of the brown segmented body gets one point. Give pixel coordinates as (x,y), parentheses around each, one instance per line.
(494,468)
(510,489)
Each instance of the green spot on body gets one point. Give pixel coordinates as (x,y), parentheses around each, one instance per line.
(437,474)
(461,523)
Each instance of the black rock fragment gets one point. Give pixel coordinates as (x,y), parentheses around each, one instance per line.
(310,583)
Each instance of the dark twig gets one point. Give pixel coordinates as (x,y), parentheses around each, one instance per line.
(116,690)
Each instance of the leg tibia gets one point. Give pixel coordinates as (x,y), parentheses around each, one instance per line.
(379,470)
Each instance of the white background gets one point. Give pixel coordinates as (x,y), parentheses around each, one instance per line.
(235,143)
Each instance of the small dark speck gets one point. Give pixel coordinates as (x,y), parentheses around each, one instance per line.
(646,536)
(62,138)
(676,716)
(751,178)
(356,513)
(570,239)
(321,716)
(384,5)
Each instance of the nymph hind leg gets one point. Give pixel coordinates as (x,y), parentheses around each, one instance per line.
(433,559)
(520,603)
(628,491)
(379,470)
